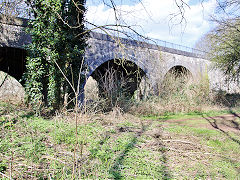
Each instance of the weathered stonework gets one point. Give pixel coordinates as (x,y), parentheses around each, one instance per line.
(154,60)
(12,32)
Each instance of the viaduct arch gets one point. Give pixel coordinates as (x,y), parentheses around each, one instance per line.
(125,75)
(13,62)
(153,60)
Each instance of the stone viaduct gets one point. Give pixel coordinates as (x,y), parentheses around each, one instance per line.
(152,61)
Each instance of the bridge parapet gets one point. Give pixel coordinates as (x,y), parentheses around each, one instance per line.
(13,35)
(153,44)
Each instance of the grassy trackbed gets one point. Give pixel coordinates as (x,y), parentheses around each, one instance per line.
(119,146)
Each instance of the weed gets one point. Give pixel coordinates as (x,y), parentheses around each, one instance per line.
(117,146)
(3,166)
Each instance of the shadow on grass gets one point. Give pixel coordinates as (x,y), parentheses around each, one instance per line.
(228,99)
(233,113)
(28,115)
(213,121)
(115,169)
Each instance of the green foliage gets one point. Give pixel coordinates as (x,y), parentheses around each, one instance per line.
(225,50)
(57,42)
(126,148)
(3,166)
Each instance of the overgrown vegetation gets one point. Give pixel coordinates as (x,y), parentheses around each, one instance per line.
(221,44)
(165,143)
(55,57)
(153,139)
(118,146)
(178,93)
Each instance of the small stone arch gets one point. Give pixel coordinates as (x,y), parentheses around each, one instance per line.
(176,78)
(179,70)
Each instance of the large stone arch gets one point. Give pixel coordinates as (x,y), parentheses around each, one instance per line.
(121,69)
(96,60)
(13,62)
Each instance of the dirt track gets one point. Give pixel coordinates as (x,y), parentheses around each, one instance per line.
(225,123)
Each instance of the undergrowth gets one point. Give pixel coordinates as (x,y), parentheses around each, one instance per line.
(36,147)
(177,93)
(114,146)
(181,94)
(165,135)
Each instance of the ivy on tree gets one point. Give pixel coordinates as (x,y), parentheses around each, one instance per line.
(58,41)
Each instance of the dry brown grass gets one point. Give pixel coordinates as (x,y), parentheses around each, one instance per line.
(176,94)
(113,93)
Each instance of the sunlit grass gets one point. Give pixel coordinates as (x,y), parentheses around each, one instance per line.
(116,147)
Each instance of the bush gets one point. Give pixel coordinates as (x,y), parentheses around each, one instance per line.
(177,93)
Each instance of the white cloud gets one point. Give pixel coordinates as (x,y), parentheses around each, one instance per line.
(152,18)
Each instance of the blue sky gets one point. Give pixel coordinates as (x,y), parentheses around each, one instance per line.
(153,18)
(193,2)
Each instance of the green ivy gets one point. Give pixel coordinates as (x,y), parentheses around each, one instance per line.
(55,40)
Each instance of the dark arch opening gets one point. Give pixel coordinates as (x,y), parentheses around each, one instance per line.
(179,71)
(174,81)
(13,62)
(117,79)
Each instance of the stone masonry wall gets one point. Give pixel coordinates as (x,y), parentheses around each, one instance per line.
(155,60)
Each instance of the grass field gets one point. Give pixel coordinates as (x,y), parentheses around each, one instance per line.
(119,146)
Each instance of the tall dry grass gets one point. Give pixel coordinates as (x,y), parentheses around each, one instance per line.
(111,93)
(176,93)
